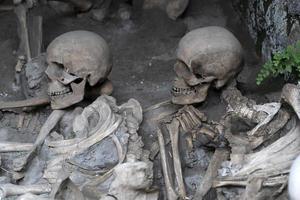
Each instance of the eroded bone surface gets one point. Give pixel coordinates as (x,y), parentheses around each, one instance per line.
(205,56)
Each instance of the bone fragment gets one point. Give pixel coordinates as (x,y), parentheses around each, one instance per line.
(171,194)
(39,101)
(11,189)
(15,146)
(29,196)
(291,95)
(21,12)
(35,35)
(269,182)
(21,120)
(173,129)
(6,8)
(272,161)
(212,171)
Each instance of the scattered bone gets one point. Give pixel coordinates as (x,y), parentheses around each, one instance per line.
(15,146)
(272,162)
(24,46)
(24,103)
(171,194)
(21,120)
(219,156)
(173,129)
(30,196)
(11,189)
(35,24)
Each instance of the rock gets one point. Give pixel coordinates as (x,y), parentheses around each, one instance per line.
(272,24)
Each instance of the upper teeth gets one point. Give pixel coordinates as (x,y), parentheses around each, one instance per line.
(183,91)
(57,93)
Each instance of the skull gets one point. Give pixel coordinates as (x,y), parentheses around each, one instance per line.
(205,56)
(75,58)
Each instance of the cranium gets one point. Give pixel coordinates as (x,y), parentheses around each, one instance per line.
(204,56)
(75,58)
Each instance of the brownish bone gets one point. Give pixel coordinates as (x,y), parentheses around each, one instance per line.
(173,129)
(171,194)
(81,5)
(24,47)
(211,173)
(35,26)
(38,101)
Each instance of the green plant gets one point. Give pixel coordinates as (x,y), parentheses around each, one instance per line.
(284,63)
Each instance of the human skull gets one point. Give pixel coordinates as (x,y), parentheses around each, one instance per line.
(204,56)
(75,58)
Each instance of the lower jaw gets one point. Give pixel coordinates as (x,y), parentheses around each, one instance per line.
(197,97)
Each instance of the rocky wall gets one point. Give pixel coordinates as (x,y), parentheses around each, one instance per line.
(273,24)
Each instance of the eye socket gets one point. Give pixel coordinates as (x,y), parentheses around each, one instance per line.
(78,80)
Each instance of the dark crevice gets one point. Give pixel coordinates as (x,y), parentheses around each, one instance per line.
(261,36)
(267,3)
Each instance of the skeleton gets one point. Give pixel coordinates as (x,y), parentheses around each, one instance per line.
(250,165)
(99,126)
(205,56)
(69,66)
(196,128)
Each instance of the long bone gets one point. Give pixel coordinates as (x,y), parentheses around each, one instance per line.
(171,194)
(11,189)
(50,123)
(38,101)
(173,129)
(15,146)
(21,12)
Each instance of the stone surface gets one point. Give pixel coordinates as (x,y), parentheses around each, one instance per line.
(273,24)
